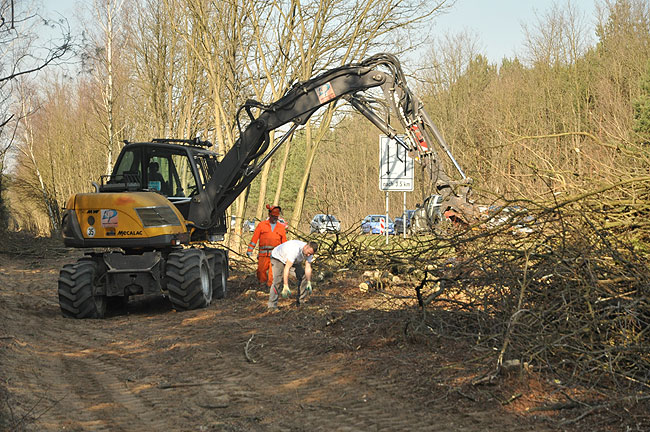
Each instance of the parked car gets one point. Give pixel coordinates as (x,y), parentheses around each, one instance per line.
(249,225)
(399,222)
(370,224)
(323,223)
(427,215)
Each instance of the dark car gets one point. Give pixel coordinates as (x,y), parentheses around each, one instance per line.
(323,223)
(399,222)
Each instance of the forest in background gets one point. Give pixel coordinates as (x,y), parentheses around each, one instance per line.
(569,115)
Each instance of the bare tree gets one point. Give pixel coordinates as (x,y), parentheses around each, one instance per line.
(316,35)
(29,152)
(212,34)
(249,47)
(23,53)
(106,41)
(271,33)
(623,32)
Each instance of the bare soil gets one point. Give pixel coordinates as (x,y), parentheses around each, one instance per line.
(345,361)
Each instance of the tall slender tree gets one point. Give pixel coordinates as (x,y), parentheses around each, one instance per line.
(23,54)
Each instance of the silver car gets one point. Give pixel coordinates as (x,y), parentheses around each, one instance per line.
(249,225)
(323,223)
(427,216)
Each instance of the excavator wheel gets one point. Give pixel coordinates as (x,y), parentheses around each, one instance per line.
(188,279)
(218,260)
(77,290)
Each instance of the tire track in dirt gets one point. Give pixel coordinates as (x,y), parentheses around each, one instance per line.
(331,399)
(339,391)
(109,398)
(88,379)
(58,406)
(152,369)
(326,399)
(88,357)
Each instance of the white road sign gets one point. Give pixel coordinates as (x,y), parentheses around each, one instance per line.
(395,166)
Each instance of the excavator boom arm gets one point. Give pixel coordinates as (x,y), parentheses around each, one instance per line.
(238,167)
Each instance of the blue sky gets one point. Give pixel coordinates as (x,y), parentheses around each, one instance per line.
(64,7)
(496,23)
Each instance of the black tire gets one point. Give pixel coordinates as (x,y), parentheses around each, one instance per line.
(78,284)
(218,259)
(188,279)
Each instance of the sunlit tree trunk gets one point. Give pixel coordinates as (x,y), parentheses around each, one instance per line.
(28,150)
(282,168)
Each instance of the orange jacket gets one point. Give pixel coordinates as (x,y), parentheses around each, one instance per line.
(267,237)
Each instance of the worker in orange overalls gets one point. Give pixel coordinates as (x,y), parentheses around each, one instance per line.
(270,234)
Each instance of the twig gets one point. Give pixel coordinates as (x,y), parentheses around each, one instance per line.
(583,415)
(333,321)
(50,407)
(248,357)
(33,408)
(473,399)
(555,407)
(487,378)
(431,297)
(512,398)
(395,296)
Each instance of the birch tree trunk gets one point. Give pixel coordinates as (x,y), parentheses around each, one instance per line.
(281,170)
(106,12)
(28,150)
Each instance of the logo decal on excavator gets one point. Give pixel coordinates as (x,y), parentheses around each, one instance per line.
(129,233)
(325,93)
(109,218)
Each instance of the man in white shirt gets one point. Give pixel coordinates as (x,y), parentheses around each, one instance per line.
(285,257)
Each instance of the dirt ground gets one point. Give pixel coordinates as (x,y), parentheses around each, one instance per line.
(342,362)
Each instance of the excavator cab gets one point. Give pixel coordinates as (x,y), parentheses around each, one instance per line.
(175,171)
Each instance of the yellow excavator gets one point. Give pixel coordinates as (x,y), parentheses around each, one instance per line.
(151,223)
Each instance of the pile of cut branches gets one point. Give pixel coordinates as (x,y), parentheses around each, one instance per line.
(563,289)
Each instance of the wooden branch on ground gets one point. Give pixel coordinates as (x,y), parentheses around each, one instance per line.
(248,357)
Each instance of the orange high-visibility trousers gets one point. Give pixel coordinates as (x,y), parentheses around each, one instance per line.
(264,272)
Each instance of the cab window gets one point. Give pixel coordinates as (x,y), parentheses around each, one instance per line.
(184,181)
(128,168)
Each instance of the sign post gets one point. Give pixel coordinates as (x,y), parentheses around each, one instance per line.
(396,170)
(404,215)
(386,230)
